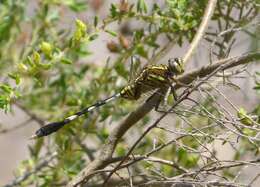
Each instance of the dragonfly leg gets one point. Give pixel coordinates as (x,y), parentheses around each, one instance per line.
(180,83)
(172,91)
(166,96)
(158,109)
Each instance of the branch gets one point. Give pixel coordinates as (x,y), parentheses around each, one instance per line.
(206,70)
(32,116)
(41,165)
(217,168)
(203,26)
(20,125)
(29,113)
(190,183)
(108,148)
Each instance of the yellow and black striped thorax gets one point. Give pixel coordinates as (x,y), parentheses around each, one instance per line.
(150,78)
(153,77)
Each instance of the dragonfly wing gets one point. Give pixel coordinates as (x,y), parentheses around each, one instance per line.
(135,67)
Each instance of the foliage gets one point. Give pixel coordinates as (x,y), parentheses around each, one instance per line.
(45,67)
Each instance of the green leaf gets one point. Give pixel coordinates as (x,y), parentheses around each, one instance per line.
(46,48)
(37,147)
(4,103)
(182,154)
(249,132)
(244,117)
(120,150)
(95,21)
(80,32)
(6,88)
(141,6)
(15,77)
(77,6)
(120,69)
(81,25)
(140,50)
(45,66)
(93,37)
(66,61)
(36,57)
(104,133)
(112,33)
(22,67)
(105,113)
(192,160)
(257,87)
(114,11)
(168,170)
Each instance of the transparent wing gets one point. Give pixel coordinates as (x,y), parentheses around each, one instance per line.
(135,67)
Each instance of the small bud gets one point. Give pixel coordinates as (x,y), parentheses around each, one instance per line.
(113,47)
(123,6)
(81,26)
(80,32)
(22,67)
(46,48)
(124,41)
(36,57)
(244,117)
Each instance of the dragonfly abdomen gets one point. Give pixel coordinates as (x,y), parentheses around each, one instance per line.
(130,92)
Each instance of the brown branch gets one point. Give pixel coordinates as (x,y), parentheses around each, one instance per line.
(34,117)
(108,148)
(217,168)
(203,26)
(136,158)
(43,163)
(228,62)
(191,183)
(8,130)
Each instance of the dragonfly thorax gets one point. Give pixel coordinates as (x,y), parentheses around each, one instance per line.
(151,78)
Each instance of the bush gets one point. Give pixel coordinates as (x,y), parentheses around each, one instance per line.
(48,69)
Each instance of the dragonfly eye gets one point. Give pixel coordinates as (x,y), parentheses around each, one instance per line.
(176,65)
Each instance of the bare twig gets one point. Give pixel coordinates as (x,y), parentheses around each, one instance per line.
(203,26)
(190,183)
(5,130)
(37,168)
(29,113)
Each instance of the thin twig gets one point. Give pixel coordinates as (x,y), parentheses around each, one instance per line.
(203,26)
(37,168)
(5,130)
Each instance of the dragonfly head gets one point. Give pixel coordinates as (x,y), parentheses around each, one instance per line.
(176,65)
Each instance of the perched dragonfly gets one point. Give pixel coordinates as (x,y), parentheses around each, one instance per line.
(152,77)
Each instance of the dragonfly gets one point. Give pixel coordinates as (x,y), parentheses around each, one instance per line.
(152,77)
